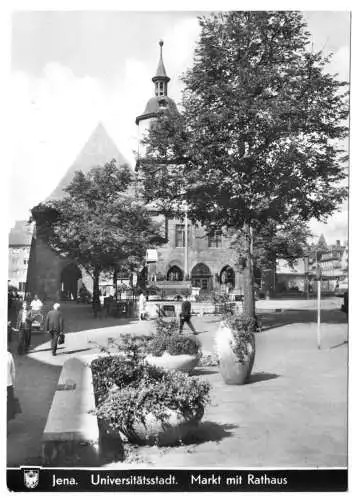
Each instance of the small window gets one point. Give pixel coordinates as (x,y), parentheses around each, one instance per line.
(215,239)
(180,235)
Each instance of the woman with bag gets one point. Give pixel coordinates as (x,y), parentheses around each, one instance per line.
(13,406)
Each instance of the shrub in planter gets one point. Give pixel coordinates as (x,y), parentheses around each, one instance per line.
(171,350)
(119,371)
(235,347)
(156,407)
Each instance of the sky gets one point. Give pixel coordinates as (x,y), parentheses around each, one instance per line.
(73,69)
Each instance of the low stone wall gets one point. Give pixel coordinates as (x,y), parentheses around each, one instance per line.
(71,435)
(198,308)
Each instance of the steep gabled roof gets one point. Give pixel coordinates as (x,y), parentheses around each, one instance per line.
(98,150)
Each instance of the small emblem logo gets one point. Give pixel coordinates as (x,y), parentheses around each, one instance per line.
(31,477)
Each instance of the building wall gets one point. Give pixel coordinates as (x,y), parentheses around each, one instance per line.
(18,266)
(199,252)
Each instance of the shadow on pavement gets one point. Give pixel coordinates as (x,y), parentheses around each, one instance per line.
(339,345)
(276,320)
(35,386)
(46,349)
(76,350)
(202,371)
(261,377)
(209,431)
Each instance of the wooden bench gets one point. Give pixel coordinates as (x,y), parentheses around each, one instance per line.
(71,435)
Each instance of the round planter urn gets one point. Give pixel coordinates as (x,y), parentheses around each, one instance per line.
(234,370)
(173,429)
(181,362)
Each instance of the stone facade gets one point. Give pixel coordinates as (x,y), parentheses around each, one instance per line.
(208,267)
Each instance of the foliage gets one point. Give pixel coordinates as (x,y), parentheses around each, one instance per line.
(128,390)
(97,223)
(286,241)
(208,359)
(121,371)
(243,333)
(260,134)
(168,339)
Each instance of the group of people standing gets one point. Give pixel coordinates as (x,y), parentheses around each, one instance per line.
(26,317)
(53,324)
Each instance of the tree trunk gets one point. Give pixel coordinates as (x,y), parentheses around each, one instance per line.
(115,281)
(248,275)
(96,306)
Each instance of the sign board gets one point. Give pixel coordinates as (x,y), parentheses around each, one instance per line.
(152,256)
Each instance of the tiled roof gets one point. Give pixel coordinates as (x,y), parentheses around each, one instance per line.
(98,150)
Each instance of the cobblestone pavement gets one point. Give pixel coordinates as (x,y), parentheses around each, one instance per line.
(292,413)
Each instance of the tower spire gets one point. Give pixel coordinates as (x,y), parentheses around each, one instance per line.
(161,79)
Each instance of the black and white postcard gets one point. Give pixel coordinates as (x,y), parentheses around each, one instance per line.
(178,249)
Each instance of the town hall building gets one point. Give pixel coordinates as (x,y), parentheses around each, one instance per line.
(207,260)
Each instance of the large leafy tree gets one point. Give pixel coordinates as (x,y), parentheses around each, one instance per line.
(259,135)
(98,223)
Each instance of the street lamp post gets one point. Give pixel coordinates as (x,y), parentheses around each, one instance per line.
(186,242)
(318,277)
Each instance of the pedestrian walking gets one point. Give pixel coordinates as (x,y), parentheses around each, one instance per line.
(24,326)
(185,316)
(13,406)
(55,326)
(142,306)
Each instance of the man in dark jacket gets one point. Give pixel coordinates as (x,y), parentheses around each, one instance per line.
(186,315)
(55,326)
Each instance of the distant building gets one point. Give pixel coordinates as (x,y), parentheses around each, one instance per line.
(290,278)
(20,241)
(331,264)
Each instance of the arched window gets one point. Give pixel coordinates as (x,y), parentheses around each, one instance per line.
(227,276)
(69,281)
(201,276)
(175,274)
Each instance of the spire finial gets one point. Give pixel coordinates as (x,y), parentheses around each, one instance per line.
(161,74)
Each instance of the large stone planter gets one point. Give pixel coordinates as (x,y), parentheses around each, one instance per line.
(233,370)
(175,429)
(181,362)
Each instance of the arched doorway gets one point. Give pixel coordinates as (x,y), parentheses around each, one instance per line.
(69,277)
(227,277)
(201,277)
(175,274)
